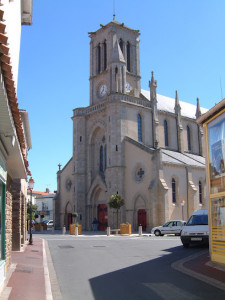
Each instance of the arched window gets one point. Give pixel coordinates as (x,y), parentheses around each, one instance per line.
(128,56)
(200,192)
(101,165)
(139,127)
(189,138)
(105,55)
(105,156)
(166,133)
(99,58)
(121,45)
(174,190)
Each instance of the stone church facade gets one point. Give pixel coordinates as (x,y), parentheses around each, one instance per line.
(142,145)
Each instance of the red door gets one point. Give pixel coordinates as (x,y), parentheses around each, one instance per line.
(142,218)
(69,220)
(102,217)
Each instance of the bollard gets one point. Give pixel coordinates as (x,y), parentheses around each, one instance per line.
(108,231)
(140,230)
(53,229)
(64,230)
(76,230)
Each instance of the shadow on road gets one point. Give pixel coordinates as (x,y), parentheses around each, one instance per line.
(154,279)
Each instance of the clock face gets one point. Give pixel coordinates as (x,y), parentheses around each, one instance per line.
(102,90)
(128,87)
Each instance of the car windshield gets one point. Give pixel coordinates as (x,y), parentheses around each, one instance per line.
(197,220)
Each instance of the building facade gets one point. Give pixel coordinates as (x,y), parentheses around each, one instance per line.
(142,145)
(15,140)
(213,122)
(44,202)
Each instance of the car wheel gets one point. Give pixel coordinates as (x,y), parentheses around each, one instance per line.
(185,245)
(157,233)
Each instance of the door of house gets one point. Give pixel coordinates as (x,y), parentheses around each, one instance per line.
(69,220)
(142,218)
(102,217)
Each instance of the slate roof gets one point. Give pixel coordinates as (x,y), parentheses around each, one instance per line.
(187,159)
(167,104)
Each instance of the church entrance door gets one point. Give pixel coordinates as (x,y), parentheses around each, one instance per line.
(142,218)
(102,217)
(69,220)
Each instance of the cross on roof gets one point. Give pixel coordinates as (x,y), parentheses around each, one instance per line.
(59,165)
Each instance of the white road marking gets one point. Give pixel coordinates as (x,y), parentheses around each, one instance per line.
(48,289)
(169,291)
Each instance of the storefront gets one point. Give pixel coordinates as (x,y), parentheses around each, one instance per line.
(214,125)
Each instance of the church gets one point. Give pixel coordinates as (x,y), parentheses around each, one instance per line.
(144,146)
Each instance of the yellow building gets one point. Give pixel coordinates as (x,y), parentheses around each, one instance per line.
(213,123)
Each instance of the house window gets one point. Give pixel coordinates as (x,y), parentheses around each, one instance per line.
(200,192)
(174,190)
(166,133)
(139,128)
(105,54)
(128,56)
(99,58)
(189,138)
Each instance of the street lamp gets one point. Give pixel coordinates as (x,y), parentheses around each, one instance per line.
(30,187)
(182,205)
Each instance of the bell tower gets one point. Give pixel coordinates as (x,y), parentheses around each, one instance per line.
(114,61)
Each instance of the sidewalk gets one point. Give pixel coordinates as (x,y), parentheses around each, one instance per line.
(200,267)
(28,276)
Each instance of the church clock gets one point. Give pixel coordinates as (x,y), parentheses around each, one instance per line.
(102,90)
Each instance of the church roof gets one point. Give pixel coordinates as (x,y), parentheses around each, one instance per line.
(188,159)
(167,104)
(114,22)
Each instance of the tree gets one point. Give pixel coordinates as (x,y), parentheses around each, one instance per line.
(74,215)
(116,202)
(34,209)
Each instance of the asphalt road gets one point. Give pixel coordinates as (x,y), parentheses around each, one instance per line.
(116,267)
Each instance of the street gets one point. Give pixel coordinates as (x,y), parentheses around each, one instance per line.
(124,267)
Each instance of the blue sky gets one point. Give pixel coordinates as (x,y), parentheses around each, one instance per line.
(182,41)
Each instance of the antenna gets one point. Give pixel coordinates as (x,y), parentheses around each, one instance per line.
(114,10)
(221,90)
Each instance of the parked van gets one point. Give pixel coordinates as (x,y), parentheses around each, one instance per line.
(196,230)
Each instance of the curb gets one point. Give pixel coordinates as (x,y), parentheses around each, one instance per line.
(48,290)
(179,266)
(53,281)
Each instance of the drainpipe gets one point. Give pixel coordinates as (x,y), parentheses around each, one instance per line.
(187,192)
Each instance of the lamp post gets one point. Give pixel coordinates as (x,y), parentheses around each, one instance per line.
(182,205)
(30,187)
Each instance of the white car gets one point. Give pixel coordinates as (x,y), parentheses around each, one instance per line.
(50,224)
(196,230)
(170,227)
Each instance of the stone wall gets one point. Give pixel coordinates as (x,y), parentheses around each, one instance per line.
(16,215)
(8,229)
